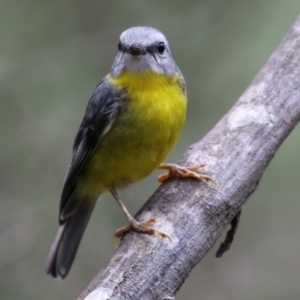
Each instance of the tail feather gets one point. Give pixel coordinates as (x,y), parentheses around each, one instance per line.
(67,240)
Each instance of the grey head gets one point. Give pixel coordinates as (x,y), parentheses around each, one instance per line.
(142,49)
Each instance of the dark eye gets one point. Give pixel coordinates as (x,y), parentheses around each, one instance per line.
(161,48)
(120,46)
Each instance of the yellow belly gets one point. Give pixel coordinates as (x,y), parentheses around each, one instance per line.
(141,137)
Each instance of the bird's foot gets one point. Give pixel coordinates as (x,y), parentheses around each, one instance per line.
(142,227)
(176,170)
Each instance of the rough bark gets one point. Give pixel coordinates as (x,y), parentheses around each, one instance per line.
(193,213)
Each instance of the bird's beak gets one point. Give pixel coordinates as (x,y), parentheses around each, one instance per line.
(136,49)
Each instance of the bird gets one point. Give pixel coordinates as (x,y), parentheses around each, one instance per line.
(132,121)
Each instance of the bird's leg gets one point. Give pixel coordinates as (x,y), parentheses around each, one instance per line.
(142,227)
(176,170)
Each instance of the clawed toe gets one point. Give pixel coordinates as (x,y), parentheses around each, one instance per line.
(142,227)
(175,170)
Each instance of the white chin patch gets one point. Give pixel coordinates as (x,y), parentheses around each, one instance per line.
(137,64)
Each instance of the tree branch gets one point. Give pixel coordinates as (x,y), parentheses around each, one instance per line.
(194,214)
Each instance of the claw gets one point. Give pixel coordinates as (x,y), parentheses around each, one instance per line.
(142,227)
(175,170)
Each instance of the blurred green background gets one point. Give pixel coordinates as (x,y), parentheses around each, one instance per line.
(52,55)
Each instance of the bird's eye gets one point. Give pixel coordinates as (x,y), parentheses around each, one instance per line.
(161,48)
(120,46)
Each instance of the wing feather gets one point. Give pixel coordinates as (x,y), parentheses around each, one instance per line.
(102,110)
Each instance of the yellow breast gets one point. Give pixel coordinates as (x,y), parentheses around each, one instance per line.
(143,135)
(153,100)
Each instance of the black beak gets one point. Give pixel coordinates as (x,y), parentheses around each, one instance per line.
(136,49)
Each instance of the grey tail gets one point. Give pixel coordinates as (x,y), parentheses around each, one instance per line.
(67,240)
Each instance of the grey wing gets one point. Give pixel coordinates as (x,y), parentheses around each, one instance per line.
(102,110)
